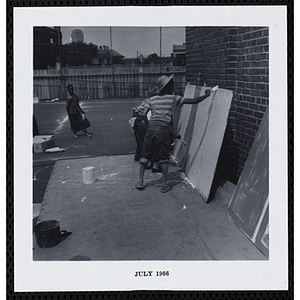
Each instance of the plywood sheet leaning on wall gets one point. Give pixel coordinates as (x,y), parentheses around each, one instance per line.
(185,122)
(207,137)
(249,206)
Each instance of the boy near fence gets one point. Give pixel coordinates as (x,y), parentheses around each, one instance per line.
(159,135)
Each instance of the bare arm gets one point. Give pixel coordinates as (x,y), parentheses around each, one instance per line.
(198,99)
(145,111)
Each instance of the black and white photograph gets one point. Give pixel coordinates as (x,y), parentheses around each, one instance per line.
(150,148)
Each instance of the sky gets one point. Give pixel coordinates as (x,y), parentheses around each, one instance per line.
(128,40)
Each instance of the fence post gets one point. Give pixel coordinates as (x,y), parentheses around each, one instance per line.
(141,86)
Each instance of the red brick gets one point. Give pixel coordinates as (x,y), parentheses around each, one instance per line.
(256,78)
(260,86)
(251,57)
(240,110)
(245,136)
(263,41)
(246,124)
(242,30)
(258,114)
(255,64)
(249,112)
(262,56)
(257,34)
(244,104)
(246,64)
(250,85)
(251,132)
(262,108)
(255,93)
(251,43)
(253,106)
(232,31)
(264,94)
(241,84)
(254,127)
(246,91)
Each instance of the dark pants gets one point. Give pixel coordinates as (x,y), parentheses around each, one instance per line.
(140,128)
(157,142)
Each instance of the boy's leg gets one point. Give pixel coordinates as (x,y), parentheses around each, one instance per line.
(139,133)
(86,133)
(138,150)
(164,140)
(165,170)
(140,184)
(75,134)
(145,158)
(142,172)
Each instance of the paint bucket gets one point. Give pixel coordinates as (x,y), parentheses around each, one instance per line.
(48,233)
(88,175)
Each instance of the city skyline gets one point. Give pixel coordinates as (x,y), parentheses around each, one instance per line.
(130,40)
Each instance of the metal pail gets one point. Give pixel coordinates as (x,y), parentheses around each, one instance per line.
(48,233)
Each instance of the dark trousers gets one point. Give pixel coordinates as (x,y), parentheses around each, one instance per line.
(140,128)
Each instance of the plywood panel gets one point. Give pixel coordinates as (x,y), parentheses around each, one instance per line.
(261,240)
(185,121)
(207,137)
(249,204)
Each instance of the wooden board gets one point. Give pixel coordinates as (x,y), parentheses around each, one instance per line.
(261,239)
(207,137)
(185,122)
(249,205)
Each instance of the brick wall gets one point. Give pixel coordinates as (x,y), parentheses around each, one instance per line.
(235,58)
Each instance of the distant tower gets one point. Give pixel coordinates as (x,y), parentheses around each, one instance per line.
(77,36)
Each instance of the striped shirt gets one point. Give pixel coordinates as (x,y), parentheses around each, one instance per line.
(161,107)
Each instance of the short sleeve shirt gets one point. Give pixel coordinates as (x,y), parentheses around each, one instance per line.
(161,107)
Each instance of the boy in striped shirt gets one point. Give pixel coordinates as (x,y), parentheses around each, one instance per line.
(159,137)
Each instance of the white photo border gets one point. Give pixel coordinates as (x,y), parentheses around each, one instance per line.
(119,275)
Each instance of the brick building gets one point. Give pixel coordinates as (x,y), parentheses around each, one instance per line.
(46,47)
(178,56)
(235,58)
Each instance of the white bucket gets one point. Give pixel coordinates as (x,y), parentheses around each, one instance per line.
(88,175)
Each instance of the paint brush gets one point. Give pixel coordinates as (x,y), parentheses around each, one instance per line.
(178,137)
(214,89)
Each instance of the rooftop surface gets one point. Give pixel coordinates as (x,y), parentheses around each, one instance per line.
(111,220)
